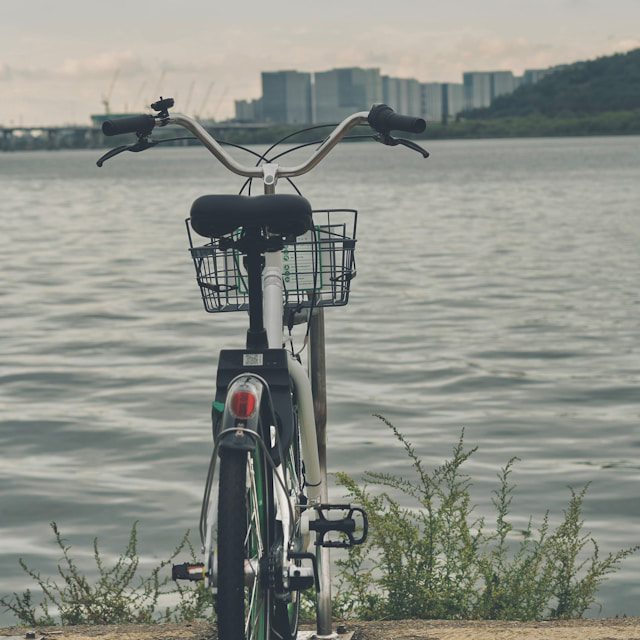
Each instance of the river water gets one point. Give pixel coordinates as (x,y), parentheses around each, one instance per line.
(497,292)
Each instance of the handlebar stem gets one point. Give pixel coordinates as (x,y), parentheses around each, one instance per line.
(270,177)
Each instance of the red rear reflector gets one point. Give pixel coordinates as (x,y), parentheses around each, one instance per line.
(242,404)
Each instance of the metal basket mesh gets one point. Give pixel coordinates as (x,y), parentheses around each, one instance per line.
(317,267)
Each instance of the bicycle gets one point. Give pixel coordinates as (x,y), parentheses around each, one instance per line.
(274,257)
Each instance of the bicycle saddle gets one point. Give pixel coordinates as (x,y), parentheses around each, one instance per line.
(218,215)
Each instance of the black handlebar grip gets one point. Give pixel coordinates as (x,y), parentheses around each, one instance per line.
(142,125)
(384,119)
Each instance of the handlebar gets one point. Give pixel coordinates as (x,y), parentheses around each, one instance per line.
(381,118)
(249,171)
(142,125)
(384,120)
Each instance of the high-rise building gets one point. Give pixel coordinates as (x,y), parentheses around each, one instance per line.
(502,82)
(531,76)
(433,107)
(442,101)
(404,95)
(341,92)
(286,97)
(452,99)
(249,111)
(482,87)
(290,97)
(477,89)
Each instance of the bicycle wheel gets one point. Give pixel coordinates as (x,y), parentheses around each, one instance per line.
(245,520)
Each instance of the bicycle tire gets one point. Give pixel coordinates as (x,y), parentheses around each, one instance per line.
(245,511)
(250,535)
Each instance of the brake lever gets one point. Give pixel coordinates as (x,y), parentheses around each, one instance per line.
(141,145)
(392,142)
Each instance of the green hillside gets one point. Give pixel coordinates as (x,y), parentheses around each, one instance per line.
(608,84)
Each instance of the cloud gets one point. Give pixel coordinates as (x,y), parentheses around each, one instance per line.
(105,64)
(10,73)
(488,53)
(102,66)
(185,62)
(440,56)
(627,44)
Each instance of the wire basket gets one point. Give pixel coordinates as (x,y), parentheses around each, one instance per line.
(317,267)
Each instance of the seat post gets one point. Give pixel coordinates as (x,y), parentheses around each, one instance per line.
(256,334)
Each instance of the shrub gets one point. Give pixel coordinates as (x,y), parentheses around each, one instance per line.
(437,560)
(434,559)
(119,594)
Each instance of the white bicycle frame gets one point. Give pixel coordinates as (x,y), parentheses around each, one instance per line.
(309,386)
(315,474)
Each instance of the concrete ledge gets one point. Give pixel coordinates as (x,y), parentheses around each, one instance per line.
(587,629)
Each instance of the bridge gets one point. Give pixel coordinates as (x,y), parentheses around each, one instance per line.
(20,138)
(14,138)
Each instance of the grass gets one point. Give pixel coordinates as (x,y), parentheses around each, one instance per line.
(433,559)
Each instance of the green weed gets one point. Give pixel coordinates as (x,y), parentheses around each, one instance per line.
(437,560)
(118,595)
(433,559)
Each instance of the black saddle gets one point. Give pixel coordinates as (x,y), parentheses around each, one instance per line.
(283,214)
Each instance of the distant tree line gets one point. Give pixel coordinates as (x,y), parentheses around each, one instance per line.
(609,84)
(538,125)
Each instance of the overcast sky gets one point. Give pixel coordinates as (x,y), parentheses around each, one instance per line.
(61,59)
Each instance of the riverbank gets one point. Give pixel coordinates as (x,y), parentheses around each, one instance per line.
(584,629)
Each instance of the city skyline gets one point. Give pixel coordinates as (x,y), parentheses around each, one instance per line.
(61,62)
(301,97)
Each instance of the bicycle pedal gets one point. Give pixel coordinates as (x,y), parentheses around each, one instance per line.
(188,571)
(347,525)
